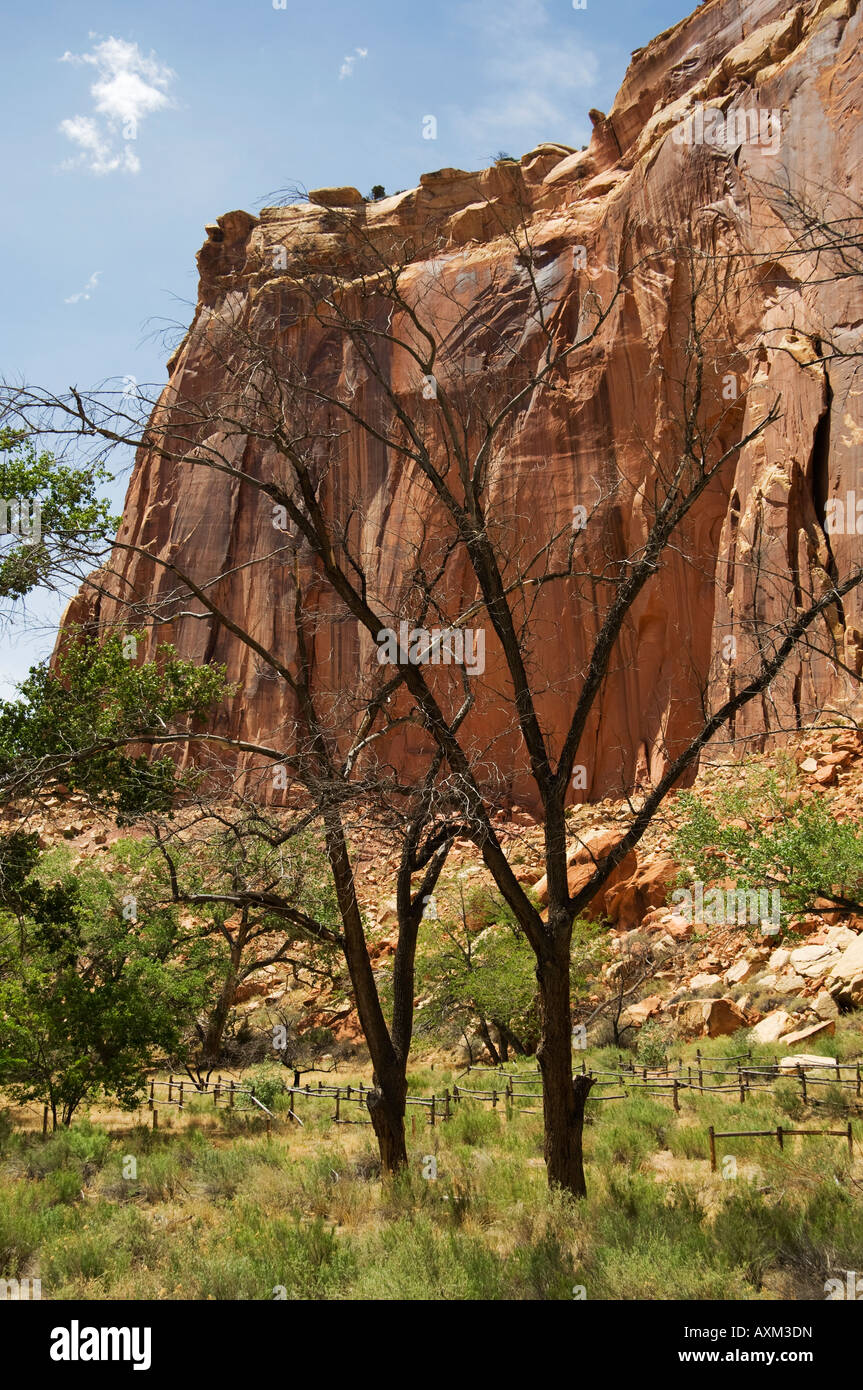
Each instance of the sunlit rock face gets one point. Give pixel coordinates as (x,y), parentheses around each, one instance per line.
(713,117)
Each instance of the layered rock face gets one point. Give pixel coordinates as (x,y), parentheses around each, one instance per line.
(789,85)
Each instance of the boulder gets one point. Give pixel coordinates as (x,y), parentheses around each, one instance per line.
(739,971)
(772,1027)
(704,981)
(708,1018)
(639,1013)
(789,983)
(628,901)
(581,859)
(850,963)
(346,197)
(807,1060)
(813,961)
(825,1006)
(825,1028)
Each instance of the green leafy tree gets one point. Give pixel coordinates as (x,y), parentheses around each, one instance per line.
(90,990)
(239,887)
(52,521)
(768,834)
(76,716)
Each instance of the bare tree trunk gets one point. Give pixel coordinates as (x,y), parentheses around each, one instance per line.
(211,1046)
(387,1112)
(386,1103)
(489,1041)
(564,1095)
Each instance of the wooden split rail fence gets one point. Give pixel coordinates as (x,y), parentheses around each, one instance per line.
(779,1134)
(661,1081)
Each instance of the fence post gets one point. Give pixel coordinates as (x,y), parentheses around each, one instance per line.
(802,1074)
(181,1095)
(170,1088)
(675,1097)
(231,1097)
(155,1119)
(858,1078)
(700,1072)
(432,1110)
(446,1112)
(850,1141)
(455,1094)
(338,1097)
(494,1100)
(712,1136)
(779,1137)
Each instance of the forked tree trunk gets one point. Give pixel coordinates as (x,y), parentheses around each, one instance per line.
(388,1118)
(564,1095)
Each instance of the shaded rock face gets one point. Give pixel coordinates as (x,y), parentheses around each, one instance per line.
(610,414)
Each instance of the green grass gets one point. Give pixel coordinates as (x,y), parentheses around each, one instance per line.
(206,1207)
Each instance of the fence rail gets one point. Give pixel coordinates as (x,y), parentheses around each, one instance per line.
(666,1082)
(778,1134)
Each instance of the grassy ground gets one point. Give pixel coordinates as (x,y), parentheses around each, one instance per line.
(206,1207)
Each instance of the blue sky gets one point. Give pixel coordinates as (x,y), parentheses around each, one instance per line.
(129,126)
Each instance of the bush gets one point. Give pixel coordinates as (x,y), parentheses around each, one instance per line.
(652,1048)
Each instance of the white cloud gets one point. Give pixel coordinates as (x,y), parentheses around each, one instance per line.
(87,290)
(349,62)
(541,75)
(128,87)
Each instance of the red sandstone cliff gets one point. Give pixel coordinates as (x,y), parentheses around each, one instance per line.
(634,180)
